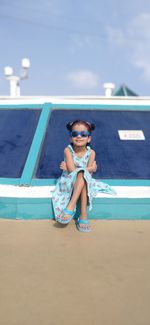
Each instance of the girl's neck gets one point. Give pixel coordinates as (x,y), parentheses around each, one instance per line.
(79,149)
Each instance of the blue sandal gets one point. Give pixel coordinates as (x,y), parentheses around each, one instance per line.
(85,222)
(66,212)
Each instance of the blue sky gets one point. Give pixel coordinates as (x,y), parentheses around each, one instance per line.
(76,46)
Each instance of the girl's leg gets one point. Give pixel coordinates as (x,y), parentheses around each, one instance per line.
(78,186)
(83,202)
(83,205)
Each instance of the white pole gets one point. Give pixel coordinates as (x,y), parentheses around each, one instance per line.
(109,87)
(14,81)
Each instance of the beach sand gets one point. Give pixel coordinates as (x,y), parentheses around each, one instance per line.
(54,275)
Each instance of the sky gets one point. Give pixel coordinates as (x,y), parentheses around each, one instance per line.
(76,46)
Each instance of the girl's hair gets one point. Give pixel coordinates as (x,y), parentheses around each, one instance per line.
(90,126)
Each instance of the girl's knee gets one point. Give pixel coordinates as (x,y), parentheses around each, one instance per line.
(80,174)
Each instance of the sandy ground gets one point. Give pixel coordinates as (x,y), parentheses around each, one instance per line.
(54,275)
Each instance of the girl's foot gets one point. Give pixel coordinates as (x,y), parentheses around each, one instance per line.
(83,225)
(67,216)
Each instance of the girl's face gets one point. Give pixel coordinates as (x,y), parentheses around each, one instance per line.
(80,141)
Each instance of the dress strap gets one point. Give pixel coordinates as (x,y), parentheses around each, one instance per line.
(88,151)
(88,148)
(70,148)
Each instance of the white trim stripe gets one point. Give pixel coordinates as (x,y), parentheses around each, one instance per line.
(13,191)
(78,100)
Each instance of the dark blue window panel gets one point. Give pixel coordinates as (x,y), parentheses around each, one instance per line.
(17,128)
(116,159)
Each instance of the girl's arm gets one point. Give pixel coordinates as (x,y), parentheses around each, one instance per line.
(69,161)
(91,167)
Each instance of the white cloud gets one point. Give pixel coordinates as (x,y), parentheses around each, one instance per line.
(140,31)
(84,79)
(140,26)
(135,39)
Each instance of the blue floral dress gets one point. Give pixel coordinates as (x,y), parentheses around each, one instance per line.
(64,187)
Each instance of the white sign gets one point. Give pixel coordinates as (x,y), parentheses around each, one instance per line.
(131,135)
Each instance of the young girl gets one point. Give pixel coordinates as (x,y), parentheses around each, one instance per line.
(76,181)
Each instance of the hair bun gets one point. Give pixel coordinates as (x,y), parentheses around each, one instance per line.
(68,126)
(93,126)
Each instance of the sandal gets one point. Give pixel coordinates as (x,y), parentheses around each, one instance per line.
(66,212)
(85,222)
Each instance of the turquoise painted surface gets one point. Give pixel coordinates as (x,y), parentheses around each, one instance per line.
(102,107)
(10,181)
(121,209)
(22,106)
(27,209)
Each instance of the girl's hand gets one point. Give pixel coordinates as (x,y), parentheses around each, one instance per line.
(94,166)
(63,166)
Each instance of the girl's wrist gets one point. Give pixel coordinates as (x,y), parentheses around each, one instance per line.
(90,169)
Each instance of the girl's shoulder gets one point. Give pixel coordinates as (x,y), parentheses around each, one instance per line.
(68,149)
(92,153)
(92,150)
